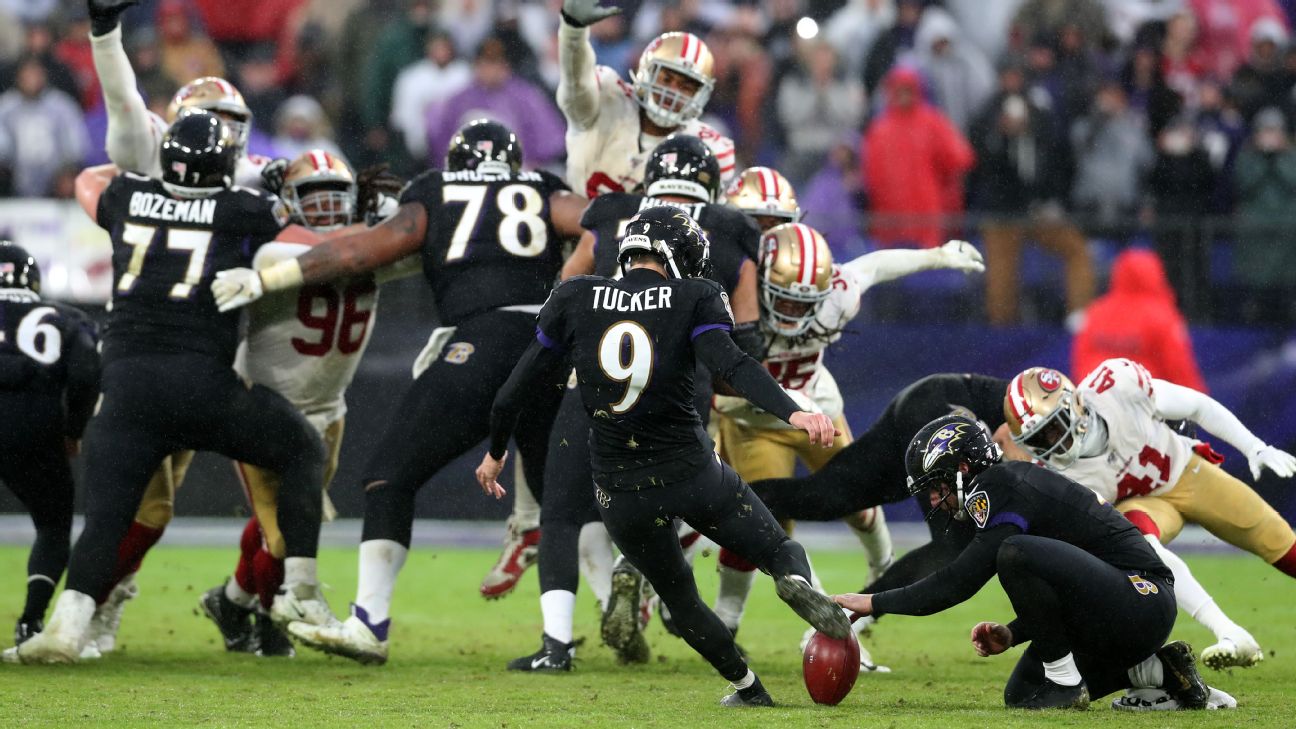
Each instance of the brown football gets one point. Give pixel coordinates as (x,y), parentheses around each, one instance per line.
(830,667)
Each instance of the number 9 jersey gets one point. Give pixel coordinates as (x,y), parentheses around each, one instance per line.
(490,243)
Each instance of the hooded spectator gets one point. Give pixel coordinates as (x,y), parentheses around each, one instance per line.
(45,129)
(816,102)
(1265,251)
(961,77)
(914,161)
(38,43)
(1224,33)
(853,29)
(1138,319)
(1263,80)
(1112,154)
(300,125)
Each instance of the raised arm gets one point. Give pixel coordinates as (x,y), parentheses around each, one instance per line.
(133,135)
(882,266)
(1174,402)
(577,83)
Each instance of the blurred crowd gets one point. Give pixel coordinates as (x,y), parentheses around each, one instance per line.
(1048,123)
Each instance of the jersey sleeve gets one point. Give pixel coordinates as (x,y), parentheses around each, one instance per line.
(596,211)
(551,322)
(1126,380)
(712,311)
(264,215)
(552,183)
(109,205)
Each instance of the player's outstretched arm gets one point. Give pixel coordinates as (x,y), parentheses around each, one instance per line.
(577,86)
(348,255)
(1175,402)
(881,266)
(90,184)
(133,135)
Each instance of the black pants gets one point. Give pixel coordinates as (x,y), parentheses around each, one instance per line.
(1069,601)
(446,412)
(718,504)
(34,465)
(156,404)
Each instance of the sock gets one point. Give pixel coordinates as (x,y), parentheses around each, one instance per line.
(40,588)
(249,545)
(299,571)
(690,542)
(1287,563)
(138,541)
(596,560)
(381,561)
(1147,674)
(746,681)
(1063,671)
(1191,596)
(558,606)
(526,510)
(731,596)
(871,530)
(268,574)
(239,596)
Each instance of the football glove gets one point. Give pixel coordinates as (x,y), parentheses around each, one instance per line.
(584,13)
(961,256)
(1283,464)
(272,175)
(236,287)
(105,13)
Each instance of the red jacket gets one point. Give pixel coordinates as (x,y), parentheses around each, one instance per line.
(1138,319)
(913,164)
(241,21)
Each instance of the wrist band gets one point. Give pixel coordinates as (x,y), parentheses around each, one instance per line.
(283,275)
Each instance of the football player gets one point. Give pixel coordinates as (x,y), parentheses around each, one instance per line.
(612,126)
(168,381)
(765,195)
(683,173)
(49,379)
(634,343)
(1091,597)
(1109,434)
(489,234)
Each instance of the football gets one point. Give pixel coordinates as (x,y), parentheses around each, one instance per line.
(830,667)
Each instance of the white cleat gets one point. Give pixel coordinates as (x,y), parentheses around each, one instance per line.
(351,638)
(102,637)
(301,603)
(1240,651)
(65,635)
(1158,700)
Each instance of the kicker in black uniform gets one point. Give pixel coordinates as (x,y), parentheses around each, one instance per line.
(1092,598)
(634,343)
(49,379)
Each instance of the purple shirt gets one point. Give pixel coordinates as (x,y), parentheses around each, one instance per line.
(525,109)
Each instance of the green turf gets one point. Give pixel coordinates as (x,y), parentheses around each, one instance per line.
(450,647)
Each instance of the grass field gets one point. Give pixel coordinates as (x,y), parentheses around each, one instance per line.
(450,646)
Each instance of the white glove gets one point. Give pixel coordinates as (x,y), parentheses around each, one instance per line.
(236,287)
(584,13)
(1282,463)
(961,256)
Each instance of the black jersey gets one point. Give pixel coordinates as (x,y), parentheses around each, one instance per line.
(734,237)
(166,252)
(1016,497)
(47,350)
(490,242)
(631,342)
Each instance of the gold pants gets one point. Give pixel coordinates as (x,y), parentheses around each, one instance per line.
(1003,247)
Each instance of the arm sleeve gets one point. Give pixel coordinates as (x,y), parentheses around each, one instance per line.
(955,583)
(1174,402)
(745,375)
(82,378)
(537,363)
(882,266)
(133,133)
(578,93)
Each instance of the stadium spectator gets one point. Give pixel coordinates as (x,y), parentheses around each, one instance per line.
(743,95)
(1263,80)
(1048,19)
(438,76)
(1137,319)
(1128,19)
(961,78)
(1222,132)
(913,165)
(27,12)
(73,50)
(300,125)
(853,29)
(1181,61)
(1182,188)
(496,93)
(236,24)
(986,24)
(1224,31)
(257,79)
(469,21)
(1265,250)
(401,43)
(38,43)
(816,102)
(1112,154)
(350,64)
(11,38)
(892,44)
(187,54)
(45,129)
(1145,85)
(831,199)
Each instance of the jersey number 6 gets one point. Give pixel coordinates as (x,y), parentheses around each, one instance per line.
(625,354)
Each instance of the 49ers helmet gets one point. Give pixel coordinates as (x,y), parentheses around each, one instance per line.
(18,269)
(198,154)
(795,277)
(320,191)
(951,450)
(682,165)
(482,143)
(1047,415)
(672,235)
(763,193)
(215,95)
(685,54)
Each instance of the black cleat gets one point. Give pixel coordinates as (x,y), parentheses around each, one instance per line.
(752,696)
(552,656)
(621,629)
(1056,696)
(232,620)
(1181,679)
(813,606)
(25,629)
(271,641)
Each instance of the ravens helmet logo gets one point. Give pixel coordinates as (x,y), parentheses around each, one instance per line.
(942,442)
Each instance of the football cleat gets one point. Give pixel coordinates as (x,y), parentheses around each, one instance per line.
(1239,652)
(232,620)
(1158,700)
(621,627)
(301,603)
(553,655)
(271,642)
(25,629)
(736,700)
(63,638)
(521,549)
(352,638)
(1181,679)
(1055,696)
(813,606)
(107,617)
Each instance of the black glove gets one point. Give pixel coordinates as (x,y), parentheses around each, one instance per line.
(582,13)
(272,175)
(371,184)
(104,14)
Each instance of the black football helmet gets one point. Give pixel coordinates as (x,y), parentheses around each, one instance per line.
(676,238)
(682,165)
(937,454)
(18,270)
(198,154)
(482,141)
